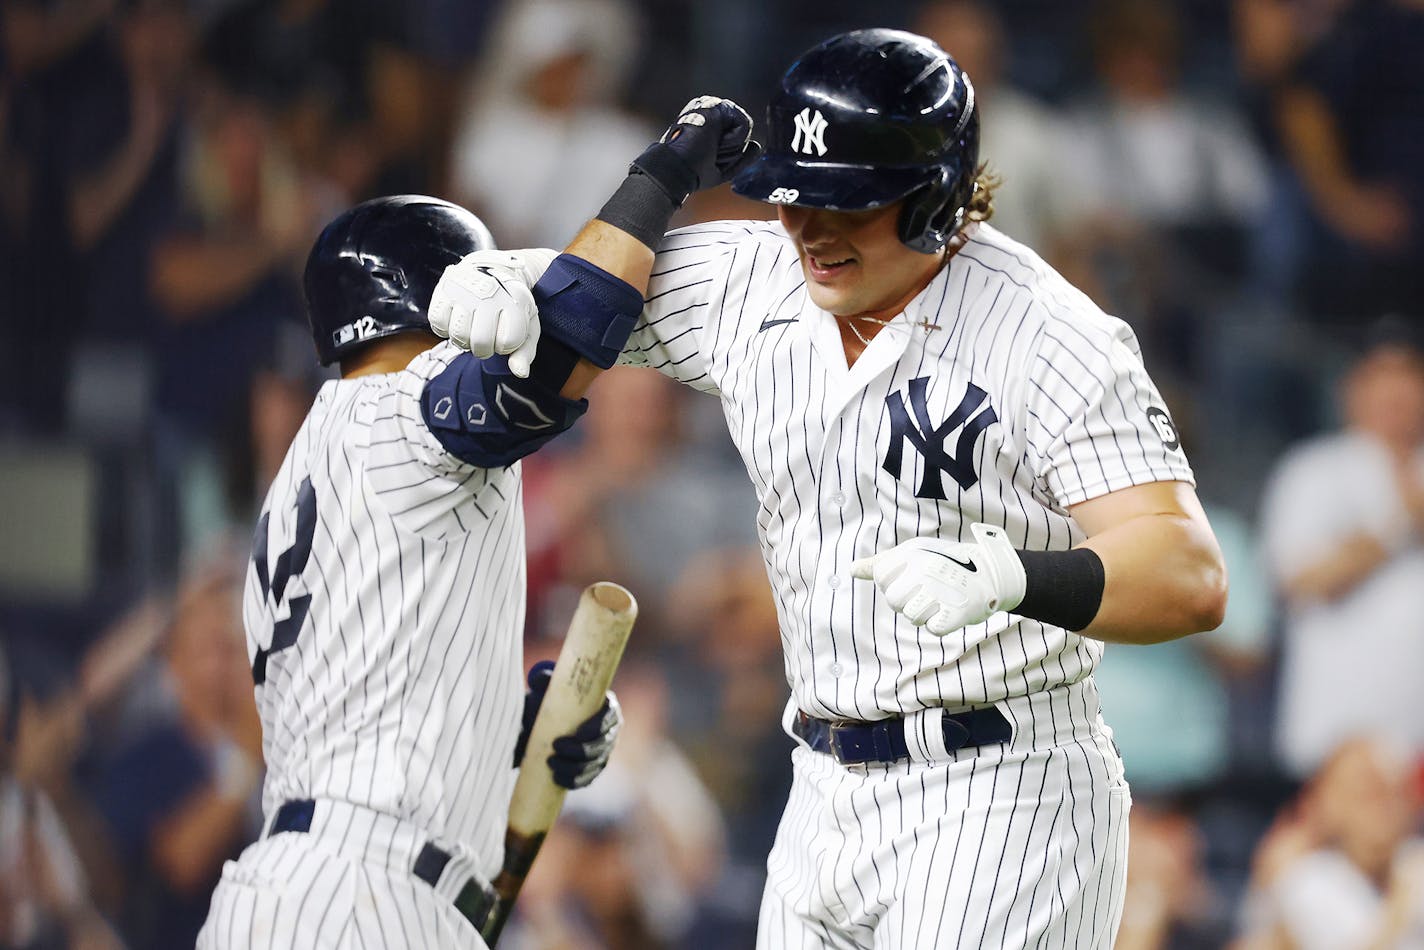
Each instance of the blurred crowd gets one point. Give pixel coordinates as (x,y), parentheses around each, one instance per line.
(1241,180)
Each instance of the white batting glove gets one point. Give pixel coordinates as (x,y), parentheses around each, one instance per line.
(483,304)
(946,585)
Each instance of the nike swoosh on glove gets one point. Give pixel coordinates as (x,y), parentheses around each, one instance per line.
(945,585)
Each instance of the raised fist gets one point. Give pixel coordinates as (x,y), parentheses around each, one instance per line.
(707,145)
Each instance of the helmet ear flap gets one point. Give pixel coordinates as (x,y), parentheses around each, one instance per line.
(925,219)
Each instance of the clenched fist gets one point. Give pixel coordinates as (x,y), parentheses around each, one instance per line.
(713,136)
(946,585)
(483,304)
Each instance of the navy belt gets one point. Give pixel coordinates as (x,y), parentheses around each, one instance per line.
(855,743)
(475,900)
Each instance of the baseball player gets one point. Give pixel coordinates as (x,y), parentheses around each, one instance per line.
(967,483)
(384,608)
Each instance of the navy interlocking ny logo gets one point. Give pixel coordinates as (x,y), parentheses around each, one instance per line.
(929,440)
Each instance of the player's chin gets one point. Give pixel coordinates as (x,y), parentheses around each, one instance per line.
(831,298)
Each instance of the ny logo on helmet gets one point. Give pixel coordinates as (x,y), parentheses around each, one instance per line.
(810,132)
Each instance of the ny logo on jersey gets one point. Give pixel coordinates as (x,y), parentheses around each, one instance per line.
(929,440)
(810,132)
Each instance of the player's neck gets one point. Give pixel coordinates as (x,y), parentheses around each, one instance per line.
(857,330)
(390,355)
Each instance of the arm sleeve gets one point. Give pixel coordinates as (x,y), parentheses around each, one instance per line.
(686,297)
(1096,422)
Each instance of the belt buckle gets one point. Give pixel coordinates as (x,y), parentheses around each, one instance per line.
(956,733)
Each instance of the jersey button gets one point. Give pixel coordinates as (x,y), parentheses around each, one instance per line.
(833,581)
(838,499)
(836,669)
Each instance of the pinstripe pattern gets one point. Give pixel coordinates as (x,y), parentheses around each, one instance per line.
(1065,380)
(1023,845)
(403,691)
(915,855)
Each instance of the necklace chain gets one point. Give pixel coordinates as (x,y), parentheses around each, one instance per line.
(856,330)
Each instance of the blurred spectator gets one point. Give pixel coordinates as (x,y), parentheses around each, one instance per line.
(1019,138)
(44,895)
(1148,151)
(1271,39)
(1172,182)
(227,281)
(543,139)
(1146,689)
(1170,901)
(601,509)
(1342,522)
(636,851)
(731,689)
(1350,115)
(1344,866)
(57,62)
(181,796)
(1217,674)
(354,101)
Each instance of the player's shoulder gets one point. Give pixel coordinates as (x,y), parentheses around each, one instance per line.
(725,235)
(1053,305)
(753,256)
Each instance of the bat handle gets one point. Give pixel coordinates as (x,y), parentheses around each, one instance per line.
(519,853)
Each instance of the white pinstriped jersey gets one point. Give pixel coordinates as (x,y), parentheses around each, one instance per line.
(402,688)
(1021,399)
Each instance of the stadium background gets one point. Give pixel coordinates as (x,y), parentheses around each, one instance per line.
(165,165)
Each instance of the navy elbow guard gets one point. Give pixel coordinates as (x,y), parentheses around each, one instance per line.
(485,415)
(587,309)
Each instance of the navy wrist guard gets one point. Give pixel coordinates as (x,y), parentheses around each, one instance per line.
(587,309)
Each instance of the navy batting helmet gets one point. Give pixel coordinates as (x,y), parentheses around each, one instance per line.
(868,118)
(372,270)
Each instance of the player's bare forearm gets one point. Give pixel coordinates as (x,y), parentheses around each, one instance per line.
(1164,576)
(616,251)
(620,254)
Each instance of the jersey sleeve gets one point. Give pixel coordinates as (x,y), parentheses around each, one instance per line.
(426,489)
(1095,421)
(689,284)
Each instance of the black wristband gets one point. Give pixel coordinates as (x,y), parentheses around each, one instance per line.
(1064,588)
(641,207)
(553,364)
(668,170)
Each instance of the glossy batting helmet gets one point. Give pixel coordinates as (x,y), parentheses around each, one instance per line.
(373,269)
(868,118)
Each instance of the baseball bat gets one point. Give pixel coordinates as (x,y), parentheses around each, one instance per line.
(590,654)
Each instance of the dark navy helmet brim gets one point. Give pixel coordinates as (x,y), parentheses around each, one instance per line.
(831,185)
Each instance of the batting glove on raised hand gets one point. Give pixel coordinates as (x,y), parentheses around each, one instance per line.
(482,303)
(946,585)
(708,144)
(580,756)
